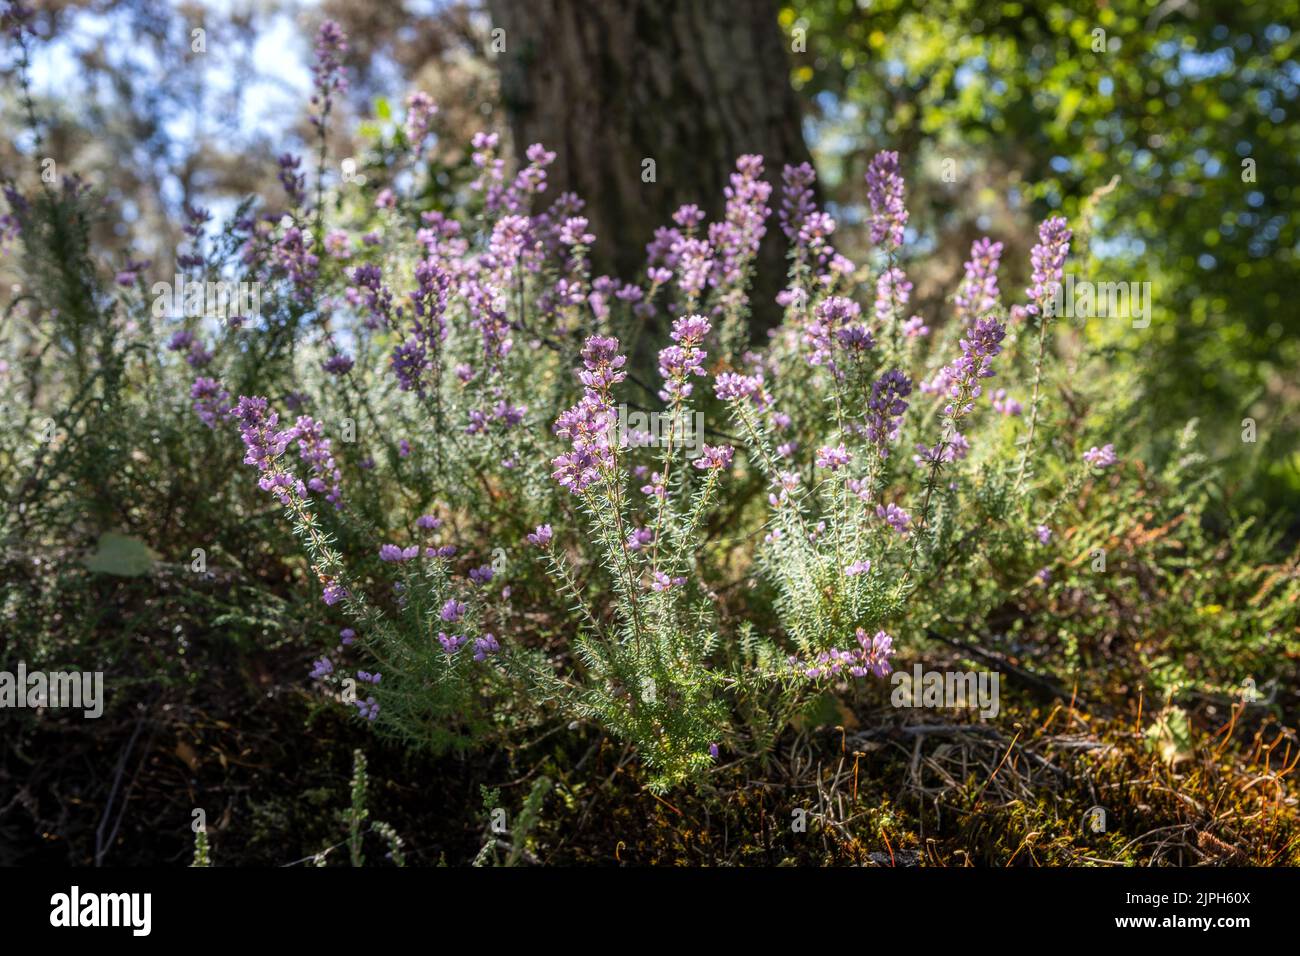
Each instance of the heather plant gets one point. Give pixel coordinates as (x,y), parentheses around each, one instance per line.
(520,832)
(442,400)
(202,852)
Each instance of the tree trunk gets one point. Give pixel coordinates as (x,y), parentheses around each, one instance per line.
(689,84)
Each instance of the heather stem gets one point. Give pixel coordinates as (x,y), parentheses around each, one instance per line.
(1033,404)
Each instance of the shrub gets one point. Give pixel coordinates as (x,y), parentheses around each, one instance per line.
(507,519)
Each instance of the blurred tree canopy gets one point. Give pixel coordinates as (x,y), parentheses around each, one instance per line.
(1191,104)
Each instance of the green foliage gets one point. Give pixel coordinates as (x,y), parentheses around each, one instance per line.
(520,833)
(201,853)
(1187,112)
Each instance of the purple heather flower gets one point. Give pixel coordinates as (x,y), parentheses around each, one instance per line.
(210,399)
(675,364)
(587,426)
(331,45)
(198,356)
(602,363)
(833,458)
(371,292)
(941,382)
(736,239)
(715,458)
(322,668)
(655,488)
(885,197)
(1044,533)
(663,582)
(828,320)
(978,292)
(180,341)
(786,482)
(452,611)
(1102,457)
(893,293)
(855,338)
(731,386)
(337,244)
(871,656)
(688,216)
(293,181)
(451,643)
(347,636)
(885,409)
(713,751)
(338,364)
(856,568)
(874,654)
(315,450)
(983,340)
(539,154)
(414,357)
(797,198)
(814,235)
(481,575)
(428,522)
(574,232)
(896,517)
(333,593)
(485,645)
(529,180)
(1005,404)
(1048,260)
(678,362)
(295,258)
(690,330)
(510,237)
(953,447)
(638,538)
(694,264)
(541,537)
(420,110)
(264,443)
(915,328)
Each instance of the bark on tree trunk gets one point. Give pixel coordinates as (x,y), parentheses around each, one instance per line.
(690,84)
